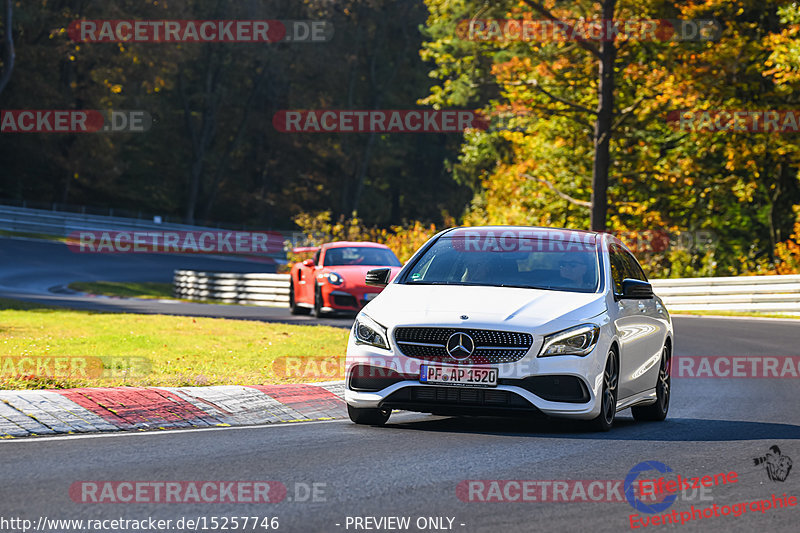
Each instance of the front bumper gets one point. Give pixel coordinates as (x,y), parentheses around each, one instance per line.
(563,386)
(347,300)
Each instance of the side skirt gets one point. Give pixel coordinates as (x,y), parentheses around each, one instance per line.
(642,398)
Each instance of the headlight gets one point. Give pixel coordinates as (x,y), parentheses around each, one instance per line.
(334,278)
(367,331)
(579,340)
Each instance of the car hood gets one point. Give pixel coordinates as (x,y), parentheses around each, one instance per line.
(485,306)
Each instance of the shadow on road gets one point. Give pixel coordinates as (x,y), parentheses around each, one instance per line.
(627,429)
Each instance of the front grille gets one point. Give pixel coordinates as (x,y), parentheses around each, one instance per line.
(344,300)
(456,396)
(491,346)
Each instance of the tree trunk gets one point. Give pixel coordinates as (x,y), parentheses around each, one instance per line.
(602,129)
(8,45)
(201,136)
(233,145)
(362,170)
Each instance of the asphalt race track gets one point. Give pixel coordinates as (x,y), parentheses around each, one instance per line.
(38,271)
(413,466)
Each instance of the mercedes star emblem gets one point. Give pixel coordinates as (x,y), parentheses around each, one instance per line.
(460,346)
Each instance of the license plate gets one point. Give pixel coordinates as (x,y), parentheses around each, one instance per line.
(462,376)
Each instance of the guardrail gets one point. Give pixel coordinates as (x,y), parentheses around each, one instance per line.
(745,293)
(740,293)
(270,290)
(62,224)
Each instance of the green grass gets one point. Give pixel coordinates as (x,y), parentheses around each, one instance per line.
(735,313)
(165,350)
(28,235)
(124,289)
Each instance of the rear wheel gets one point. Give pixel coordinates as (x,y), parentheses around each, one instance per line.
(293,307)
(368,416)
(608,396)
(658,411)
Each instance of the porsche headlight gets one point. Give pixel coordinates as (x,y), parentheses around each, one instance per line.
(367,331)
(334,278)
(579,340)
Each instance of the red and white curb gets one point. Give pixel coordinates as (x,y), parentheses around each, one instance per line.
(48,412)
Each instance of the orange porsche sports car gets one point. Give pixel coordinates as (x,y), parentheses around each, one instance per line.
(334,279)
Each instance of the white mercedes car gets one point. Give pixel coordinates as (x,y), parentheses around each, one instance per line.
(502,320)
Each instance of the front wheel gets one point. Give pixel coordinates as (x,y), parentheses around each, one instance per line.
(318,302)
(368,416)
(608,396)
(658,411)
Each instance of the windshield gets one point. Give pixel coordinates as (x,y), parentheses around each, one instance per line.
(521,262)
(360,255)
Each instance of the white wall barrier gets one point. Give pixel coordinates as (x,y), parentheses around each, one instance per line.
(740,293)
(743,293)
(271,290)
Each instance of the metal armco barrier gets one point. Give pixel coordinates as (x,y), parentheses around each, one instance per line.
(61,224)
(744,293)
(270,290)
(741,293)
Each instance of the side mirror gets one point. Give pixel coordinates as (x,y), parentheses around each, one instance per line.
(634,289)
(379,277)
(308,262)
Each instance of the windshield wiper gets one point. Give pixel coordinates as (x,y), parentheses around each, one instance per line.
(480,284)
(548,288)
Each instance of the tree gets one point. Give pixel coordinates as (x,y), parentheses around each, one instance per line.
(554,99)
(535,168)
(606,53)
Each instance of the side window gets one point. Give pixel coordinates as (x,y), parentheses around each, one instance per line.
(634,269)
(618,267)
(316,257)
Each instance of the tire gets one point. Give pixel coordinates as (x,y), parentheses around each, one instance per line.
(657,412)
(368,416)
(608,396)
(318,302)
(293,307)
